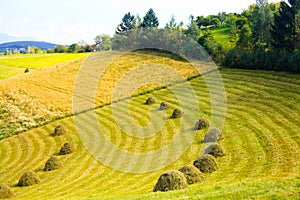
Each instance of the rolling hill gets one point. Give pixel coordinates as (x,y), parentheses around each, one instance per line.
(25,44)
(261,135)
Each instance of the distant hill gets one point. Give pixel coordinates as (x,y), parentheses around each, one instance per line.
(9,38)
(25,44)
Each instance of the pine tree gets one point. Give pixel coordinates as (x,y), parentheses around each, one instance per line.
(150,20)
(261,28)
(126,25)
(283,31)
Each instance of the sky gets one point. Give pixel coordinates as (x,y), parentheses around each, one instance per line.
(70,21)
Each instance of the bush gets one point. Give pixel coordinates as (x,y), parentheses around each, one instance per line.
(52,163)
(282,60)
(201,123)
(60,130)
(192,174)
(206,163)
(150,100)
(67,148)
(215,150)
(177,113)
(28,178)
(212,135)
(163,106)
(170,180)
(6,192)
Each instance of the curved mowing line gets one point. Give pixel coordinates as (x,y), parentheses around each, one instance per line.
(16,155)
(274,172)
(286,145)
(29,151)
(5,149)
(272,137)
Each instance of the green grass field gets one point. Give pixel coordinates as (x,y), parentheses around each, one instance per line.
(6,71)
(261,138)
(16,64)
(221,35)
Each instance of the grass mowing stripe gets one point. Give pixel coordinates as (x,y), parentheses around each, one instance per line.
(246,121)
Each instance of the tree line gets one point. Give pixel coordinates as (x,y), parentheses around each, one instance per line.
(264,36)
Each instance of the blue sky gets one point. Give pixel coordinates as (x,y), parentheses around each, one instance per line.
(69,21)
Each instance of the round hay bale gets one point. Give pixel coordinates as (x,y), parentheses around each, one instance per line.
(52,163)
(215,150)
(170,180)
(67,148)
(60,130)
(177,113)
(201,123)
(192,174)
(150,100)
(163,106)
(6,192)
(28,178)
(212,135)
(206,163)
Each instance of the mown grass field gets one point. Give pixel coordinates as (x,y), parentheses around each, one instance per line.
(16,64)
(48,92)
(261,138)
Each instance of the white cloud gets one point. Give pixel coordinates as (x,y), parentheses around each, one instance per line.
(1,19)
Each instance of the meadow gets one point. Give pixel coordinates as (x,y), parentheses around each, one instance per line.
(16,64)
(48,93)
(261,138)
(221,35)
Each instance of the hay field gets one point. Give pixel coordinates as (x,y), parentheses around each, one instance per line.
(261,138)
(48,92)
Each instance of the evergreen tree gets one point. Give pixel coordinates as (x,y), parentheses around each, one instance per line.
(193,30)
(262,20)
(283,31)
(128,23)
(150,20)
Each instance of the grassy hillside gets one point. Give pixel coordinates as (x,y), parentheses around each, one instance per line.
(261,137)
(48,92)
(221,35)
(16,64)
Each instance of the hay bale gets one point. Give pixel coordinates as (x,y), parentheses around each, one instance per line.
(177,113)
(163,106)
(28,178)
(60,130)
(215,150)
(170,180)
(67,148)
(206,163)
(6,192)
(150,100)
(212,135)
(52,163)
(192,174)
(201,123)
